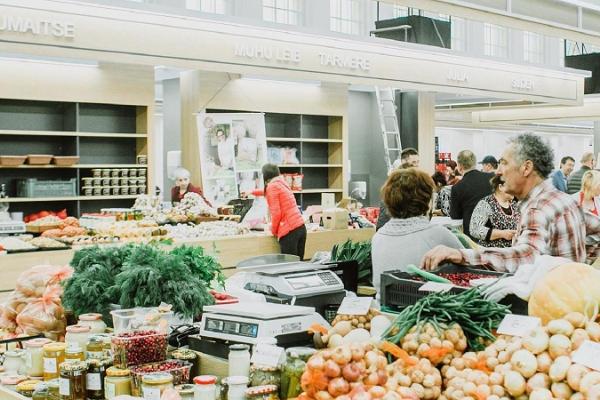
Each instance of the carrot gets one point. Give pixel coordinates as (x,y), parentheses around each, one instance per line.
(436,354)
(318,328)
(481,365)
(397,352)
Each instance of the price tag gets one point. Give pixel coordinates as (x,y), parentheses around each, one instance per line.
(50,365)
(93,382)
(588,354)
(436,287)
(518,325)
(267,355)
(109,391)
(64,388)
(355,306)
(151,393)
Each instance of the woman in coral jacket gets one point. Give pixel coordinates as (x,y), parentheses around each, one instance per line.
(287,223)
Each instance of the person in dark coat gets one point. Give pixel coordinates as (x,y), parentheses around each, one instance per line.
(474,186)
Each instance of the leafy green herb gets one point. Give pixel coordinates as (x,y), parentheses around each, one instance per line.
(200,264)
(360,252)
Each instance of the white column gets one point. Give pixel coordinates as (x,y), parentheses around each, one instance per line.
(426,132)
(596,136)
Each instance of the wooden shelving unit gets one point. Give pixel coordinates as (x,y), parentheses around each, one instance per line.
(102,135)
(318,141)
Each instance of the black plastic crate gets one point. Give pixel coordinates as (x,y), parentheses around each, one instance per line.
(400,289)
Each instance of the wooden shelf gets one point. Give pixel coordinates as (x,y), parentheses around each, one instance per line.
(304,140)
(310,166)
(66,198)
(73,134)
(328,190)
(80,166)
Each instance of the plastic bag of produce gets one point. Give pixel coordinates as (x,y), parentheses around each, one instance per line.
(11,307)
(44,315)
(256,217)
(34,281)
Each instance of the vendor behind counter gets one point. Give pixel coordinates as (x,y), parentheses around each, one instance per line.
(183,186)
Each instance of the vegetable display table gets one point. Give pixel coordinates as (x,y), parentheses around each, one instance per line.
(230,250)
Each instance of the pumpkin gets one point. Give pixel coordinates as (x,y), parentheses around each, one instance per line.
(569,287)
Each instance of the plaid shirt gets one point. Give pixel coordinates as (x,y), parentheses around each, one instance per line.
(551,223)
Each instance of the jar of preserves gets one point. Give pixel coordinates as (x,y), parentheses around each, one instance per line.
(77,334)
(153,385)
(74,353)
(261,375)
(72,380)
(189,356)
(95,348)
(266,392)
(53,389)
(26,388)
(239,360)
(34,356)
(40,392)
(94,321)
(117,383)
(205,387)
(95,378)
(54,355)
(185,391)
(234,388)
(293,369)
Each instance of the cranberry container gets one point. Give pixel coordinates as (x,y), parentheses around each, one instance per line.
(179,369)
(139,347)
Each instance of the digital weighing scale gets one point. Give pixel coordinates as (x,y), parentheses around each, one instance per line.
(295,283)
(249,322)
(11,227)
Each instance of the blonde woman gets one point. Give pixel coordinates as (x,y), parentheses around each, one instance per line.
(587,197)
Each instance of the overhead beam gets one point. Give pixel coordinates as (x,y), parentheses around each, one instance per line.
(476,12)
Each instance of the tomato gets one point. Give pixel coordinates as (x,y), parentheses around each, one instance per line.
(62,214)
(43,214)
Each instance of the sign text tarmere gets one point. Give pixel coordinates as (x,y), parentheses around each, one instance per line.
(9,23)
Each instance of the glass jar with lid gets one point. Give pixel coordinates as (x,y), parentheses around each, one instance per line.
(190,356)
(153,385)
(77,334)
(95,348)
(54,355)
(74,352)
(94,321)
(239,360)
(117,382)
(14,362)
(185,391)
(261,375)
(34,356)
(72,380)
(296,358)
(40,392)
(95,378)
(26,388)
(205,387)
(265,392)
(53,389)
(234,388)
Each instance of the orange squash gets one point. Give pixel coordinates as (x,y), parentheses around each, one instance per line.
(569,287)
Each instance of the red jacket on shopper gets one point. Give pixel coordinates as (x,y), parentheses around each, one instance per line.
(285,216)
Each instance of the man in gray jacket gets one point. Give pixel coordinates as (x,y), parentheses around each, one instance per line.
(588,162)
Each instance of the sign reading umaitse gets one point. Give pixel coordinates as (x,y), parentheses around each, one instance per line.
(59,29)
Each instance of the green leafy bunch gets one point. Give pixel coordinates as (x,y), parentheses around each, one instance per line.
(355,251)
(200,264)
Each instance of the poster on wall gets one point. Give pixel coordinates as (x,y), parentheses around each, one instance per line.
(233,149)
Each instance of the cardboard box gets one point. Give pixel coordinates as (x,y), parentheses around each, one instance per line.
(335,218)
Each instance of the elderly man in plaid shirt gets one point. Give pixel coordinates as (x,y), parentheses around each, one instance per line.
(551,221)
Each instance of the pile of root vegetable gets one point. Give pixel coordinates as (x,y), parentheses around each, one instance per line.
(423,355)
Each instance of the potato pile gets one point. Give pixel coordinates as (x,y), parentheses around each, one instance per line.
(34,307)
(357,321)
(438,344)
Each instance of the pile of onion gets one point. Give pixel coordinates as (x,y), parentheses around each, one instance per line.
(439,346)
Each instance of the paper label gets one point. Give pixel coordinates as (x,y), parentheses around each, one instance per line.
(109,391)
(63,387)
(93,382)
(588,354)
(95,354)
(267,355)
(355,306)
(50,365)
(436,287)
(518,325)
(151,393)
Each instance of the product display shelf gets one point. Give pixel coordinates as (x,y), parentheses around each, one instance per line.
(319,145)
(101,135)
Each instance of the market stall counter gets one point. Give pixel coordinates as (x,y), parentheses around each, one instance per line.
(229,251)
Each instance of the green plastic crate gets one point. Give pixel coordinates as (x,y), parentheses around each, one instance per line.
(37,188)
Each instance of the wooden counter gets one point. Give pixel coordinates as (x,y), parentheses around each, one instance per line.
(229,251)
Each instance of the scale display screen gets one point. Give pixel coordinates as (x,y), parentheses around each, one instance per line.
(232,327)
(305,282)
